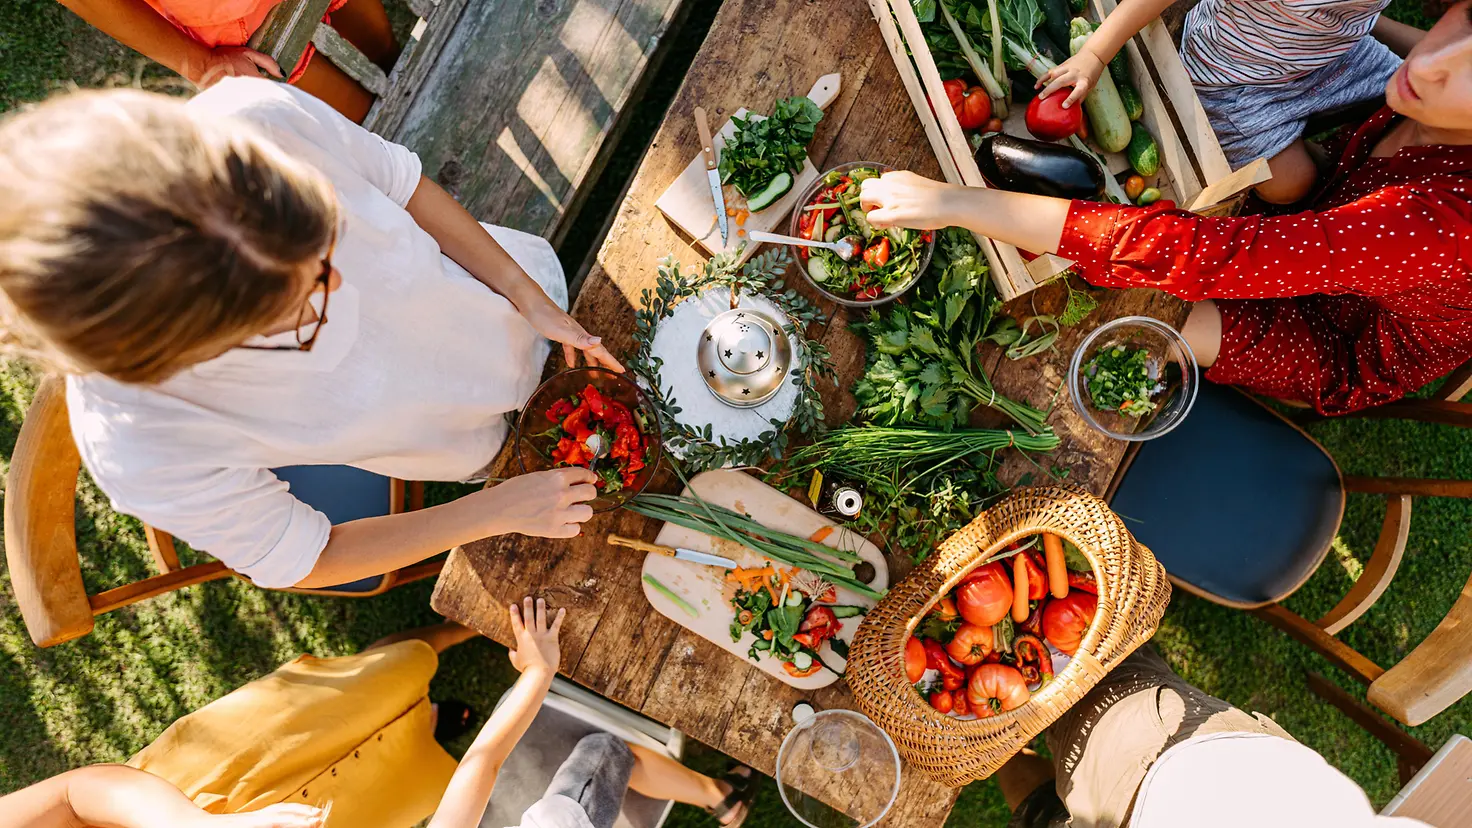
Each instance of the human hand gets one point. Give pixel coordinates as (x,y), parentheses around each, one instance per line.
(536,640)
(232,61)
(1081,72)
(555,324)
(285,815)
(546,504)
(904,199)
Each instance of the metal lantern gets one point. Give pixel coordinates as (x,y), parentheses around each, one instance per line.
(744,357)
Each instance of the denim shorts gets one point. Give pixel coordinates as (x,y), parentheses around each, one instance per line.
(1254,122)
(596,776)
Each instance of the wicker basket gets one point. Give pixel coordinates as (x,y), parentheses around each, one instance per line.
(1133,592)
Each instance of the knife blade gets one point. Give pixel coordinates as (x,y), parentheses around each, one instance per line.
(678,553)
(683,554)
(712,173)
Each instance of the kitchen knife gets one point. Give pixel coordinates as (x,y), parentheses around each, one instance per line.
(712,172)
(679,554)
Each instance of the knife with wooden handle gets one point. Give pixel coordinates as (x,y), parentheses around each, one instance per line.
(712,172)
(680,554)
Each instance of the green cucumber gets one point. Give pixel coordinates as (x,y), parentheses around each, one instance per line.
(1109,123)
(834,233)
(862,227)
(1143,152)
(1055,21)
(818,269)
(1119,67)
(775,189)
(801,660)
(845,611)
(1134,105)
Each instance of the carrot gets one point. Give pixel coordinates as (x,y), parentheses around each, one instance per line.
(741,216)
(731,211)
(1019,589)
(1057,569)
(821,535)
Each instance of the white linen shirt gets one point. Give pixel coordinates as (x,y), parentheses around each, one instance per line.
(411,375)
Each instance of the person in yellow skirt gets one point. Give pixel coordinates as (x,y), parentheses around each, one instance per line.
(347,742)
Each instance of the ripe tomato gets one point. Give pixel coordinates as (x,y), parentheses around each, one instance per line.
(958,702)
(971,644)
(1066,619)
(945,609)
(973,107)
(1047,120)
(877,255)
(985,597)
(914,660)
(996,688)
(941,701)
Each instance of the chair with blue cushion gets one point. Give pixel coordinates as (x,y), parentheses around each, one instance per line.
(41,541)
(1240,505)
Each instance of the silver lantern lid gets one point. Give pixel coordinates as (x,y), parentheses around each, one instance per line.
(744,357)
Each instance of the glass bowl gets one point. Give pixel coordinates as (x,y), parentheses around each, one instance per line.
(838,756)
(1170,361)
(807,196)
(534,444)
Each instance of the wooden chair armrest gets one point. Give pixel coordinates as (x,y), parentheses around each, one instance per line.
(1338,653)
(1435,674)
(1420,487)
(1379,570)
(40,522)
(1458,383)
(287,29)
(1442,412)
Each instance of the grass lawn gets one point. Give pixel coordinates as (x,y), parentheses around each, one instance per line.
(103,697)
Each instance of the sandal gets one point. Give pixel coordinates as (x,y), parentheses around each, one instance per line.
(736,807)
(456,718)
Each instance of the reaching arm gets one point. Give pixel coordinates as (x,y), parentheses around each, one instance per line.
(462,238)
(136,25)
(1082,70)
(536,656)
(117,796)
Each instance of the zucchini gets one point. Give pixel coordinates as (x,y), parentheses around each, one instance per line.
(1134,105)
(801,660)
(775,189)
(1109,124)
(1143,152)
(818,269)
(845,611)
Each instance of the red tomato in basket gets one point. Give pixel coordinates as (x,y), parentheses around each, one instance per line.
(996,688)
(1047,120)
(941,700)
(985,597)
(971,644)
(1066,619)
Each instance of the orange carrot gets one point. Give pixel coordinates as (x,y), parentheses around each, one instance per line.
(1057,568)
(1019,588)
(730,211)
(741,216)
(821,535)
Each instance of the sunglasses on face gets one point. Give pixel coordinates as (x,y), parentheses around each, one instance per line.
(304,340)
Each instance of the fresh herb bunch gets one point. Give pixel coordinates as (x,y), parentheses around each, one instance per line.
(922,362)
(764,147)
(698,448)
(1123,380)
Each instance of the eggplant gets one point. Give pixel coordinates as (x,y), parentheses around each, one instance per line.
(1038,167)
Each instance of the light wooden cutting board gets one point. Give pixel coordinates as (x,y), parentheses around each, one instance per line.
(703,585)
(688,203)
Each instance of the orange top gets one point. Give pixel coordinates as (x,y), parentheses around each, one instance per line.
(215,22)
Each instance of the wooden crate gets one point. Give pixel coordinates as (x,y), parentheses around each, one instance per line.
(1193,171)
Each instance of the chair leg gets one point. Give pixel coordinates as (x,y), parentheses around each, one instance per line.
(1379,571)
(161,546)
(1410,753)
(1458,383)
(1338,653)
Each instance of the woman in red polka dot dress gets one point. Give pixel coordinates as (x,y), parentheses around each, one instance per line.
(1364,298)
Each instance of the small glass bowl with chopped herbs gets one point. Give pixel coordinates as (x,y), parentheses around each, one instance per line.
(1134,378)
(890,260)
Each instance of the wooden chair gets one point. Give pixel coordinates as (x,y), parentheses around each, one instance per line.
(41,542)
(1241,506)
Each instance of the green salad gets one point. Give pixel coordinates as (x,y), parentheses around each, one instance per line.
(1123,380)
(891,258)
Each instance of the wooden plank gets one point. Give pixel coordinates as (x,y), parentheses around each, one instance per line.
(346,57)
(287,29)
(1441,793)
(415,63)
(521,97)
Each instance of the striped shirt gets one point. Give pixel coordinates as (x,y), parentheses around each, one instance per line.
(1256,42)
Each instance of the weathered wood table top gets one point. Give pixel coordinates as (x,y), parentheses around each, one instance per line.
(612,642)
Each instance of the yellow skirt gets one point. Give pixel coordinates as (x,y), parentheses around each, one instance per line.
(352,733)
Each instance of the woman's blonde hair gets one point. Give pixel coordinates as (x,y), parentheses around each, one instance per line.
(138,237)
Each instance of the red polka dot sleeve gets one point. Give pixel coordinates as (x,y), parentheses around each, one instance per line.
(1391,240)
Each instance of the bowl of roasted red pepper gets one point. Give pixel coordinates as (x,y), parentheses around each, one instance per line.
(1005,630)
(890,260)
(595,419)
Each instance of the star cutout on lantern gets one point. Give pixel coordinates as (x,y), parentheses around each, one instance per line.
(760,355)
(728,354)
(745,391)
(712,374)
(709,338)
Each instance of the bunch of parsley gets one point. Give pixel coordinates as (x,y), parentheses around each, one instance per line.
(764,147)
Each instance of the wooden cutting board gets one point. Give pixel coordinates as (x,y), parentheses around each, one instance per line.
(703,585)
(688,204)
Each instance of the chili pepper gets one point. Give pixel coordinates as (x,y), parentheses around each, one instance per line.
(1034,623)
(952,677)
(560,409)
(1033,659)
(594,401)
(1084,581)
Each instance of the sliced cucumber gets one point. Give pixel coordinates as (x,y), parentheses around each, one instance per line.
(834,233)
(845,611)
(862,227)
(774,190)
(794,599)
(801,660)
(818,269)
(899,235)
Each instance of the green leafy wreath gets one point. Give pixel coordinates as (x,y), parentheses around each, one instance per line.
(758,277)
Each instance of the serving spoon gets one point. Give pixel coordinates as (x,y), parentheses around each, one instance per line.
(847,247)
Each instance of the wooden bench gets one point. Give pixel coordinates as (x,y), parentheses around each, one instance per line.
(513,105)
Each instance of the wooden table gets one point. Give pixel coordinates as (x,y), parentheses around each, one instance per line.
(756,52)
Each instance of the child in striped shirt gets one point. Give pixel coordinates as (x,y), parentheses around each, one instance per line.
(1262,68)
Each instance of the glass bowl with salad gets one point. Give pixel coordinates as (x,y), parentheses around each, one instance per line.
(592,418)
(889,261)
(1134,378)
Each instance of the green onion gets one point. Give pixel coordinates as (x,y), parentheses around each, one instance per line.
(670,594)
(877,450)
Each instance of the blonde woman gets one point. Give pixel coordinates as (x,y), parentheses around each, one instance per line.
(249,281)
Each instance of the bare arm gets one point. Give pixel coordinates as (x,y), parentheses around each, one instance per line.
(1082,70)
(536,656)
(904,199)
(545,504)
(117,796)
(136,25)
(462,238)
(1399,37)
